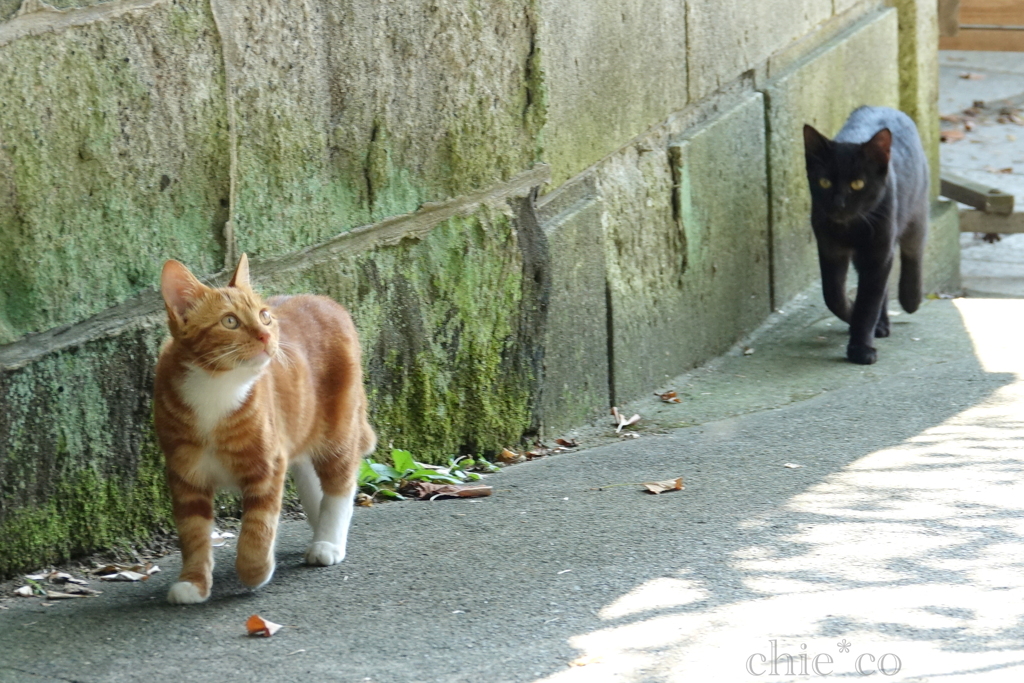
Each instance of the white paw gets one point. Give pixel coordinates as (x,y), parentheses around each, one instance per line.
(184,593)
(324,554)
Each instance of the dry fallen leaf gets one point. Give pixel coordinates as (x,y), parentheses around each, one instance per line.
(662,486)
(220,538)
(567,443)
(363,500)
(56,595)
(258,626)
(125,575)
(951,135)
(622,421)
(971,76)
(63,578)
(669,397)
(425,490)
(508,457)
(24,592)
(749,351)
(792,466)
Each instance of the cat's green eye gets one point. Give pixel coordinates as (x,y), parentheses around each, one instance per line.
(825,183)
(857,184)
(265,316)
(230,322)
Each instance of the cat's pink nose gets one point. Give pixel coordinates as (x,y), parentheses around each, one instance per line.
(264,337)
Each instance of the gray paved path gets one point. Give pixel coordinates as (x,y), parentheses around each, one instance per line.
(900,533)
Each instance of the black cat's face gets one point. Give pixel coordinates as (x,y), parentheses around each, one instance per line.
(847,179)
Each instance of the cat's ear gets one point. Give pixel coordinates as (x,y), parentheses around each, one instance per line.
(241,276)
(180,289)
(815,144)
(878,148)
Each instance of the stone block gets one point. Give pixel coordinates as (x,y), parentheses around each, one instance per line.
(919,74)
(574,386)
(686,230)
(113,157)
(942,251)
(611,70)
(857,67)
(347,112)
(79,466)
(729,37)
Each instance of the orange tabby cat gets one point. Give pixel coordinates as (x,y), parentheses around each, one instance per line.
(244,390)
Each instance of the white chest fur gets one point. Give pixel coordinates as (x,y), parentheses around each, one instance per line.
(215,396)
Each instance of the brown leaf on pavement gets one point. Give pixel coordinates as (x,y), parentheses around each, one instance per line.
(621,420)
(508,457)
(951,135)
(669,397)
(258,626)
(972,76)
(425,490)
(567,443)
(662,486)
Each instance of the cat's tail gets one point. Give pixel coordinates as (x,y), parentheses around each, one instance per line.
(367,437)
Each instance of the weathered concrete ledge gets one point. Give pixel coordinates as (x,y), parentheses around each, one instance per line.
(146,309)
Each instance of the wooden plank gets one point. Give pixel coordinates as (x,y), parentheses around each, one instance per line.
(979,221)
(1001,12)
(982,197)
(973,39)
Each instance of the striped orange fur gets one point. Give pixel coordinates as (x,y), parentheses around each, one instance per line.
(245,390)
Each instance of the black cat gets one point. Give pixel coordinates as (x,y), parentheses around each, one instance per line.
(869,192)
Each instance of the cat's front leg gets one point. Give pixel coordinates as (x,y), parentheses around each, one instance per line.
(867,310)
(834,266)
(261,510)
(193,515)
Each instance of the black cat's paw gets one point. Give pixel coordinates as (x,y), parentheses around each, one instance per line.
(861,354)
(881,330)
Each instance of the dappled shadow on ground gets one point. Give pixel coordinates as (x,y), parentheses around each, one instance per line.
(909,558)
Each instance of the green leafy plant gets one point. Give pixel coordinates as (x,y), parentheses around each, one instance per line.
(378,479)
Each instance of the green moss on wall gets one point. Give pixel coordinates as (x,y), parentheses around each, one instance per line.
(113,157)
(85,512)
(80,469)
(355,129)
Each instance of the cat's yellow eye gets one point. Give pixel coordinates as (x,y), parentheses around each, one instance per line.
(857,184)
(265,316)
(825,183)
(230,322)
